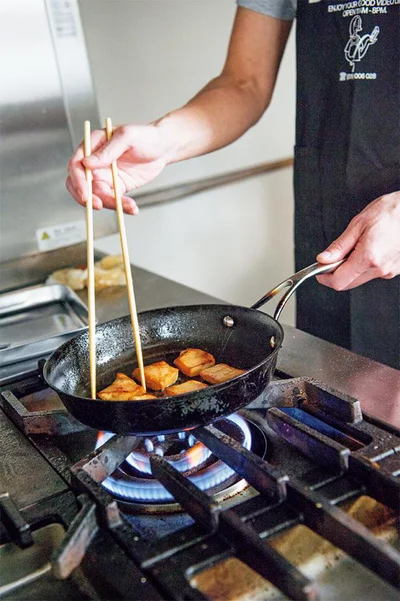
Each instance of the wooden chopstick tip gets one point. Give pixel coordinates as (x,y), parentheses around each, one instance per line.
(109,128)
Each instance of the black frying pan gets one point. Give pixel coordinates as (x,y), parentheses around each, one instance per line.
(241,337)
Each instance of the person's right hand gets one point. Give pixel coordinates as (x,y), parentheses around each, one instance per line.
(141,153)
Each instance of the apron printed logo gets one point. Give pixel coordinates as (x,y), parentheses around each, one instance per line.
(357,46)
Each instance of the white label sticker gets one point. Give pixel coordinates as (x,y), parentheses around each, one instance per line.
(62,12)
(62,234)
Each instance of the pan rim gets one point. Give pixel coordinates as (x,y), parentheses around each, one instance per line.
(147,402)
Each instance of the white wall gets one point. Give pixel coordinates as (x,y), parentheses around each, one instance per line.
(150,56)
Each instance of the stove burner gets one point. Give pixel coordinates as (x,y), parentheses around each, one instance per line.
(191,454)
(133,481)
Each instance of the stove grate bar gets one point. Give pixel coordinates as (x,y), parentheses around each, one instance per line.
(274,520)
(13,522)
(148,561)
(313,396)
(196,502)
(54,422)
(174,574)
(378,481)
(107,506)
(53,455)
(318,477)
(114,574)
(60,509)
(329,521)
(345,532)
(391,464)
(25,384)
(173,583)
(381,425)
(172,544)
(309,441)
(77,539)
(251,467)
(111,518)
(102,462)
(374,472)
(252,508)
(248,546)
(325,400)
(340,490)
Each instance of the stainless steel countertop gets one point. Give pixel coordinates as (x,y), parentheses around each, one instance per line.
(375,385)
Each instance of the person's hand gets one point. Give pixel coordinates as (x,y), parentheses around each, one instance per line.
(141,153)
(372,241)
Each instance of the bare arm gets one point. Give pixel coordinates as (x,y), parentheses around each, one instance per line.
(235,100)
(219,114)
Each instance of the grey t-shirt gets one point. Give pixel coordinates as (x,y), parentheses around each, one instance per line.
(280,9)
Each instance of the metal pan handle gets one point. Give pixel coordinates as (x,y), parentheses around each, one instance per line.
(293,283)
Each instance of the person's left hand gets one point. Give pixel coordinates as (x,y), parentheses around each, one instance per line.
(372,241)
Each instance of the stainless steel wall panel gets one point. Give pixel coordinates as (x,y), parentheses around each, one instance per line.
(46,93)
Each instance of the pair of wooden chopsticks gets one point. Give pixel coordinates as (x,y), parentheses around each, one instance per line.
(90,262)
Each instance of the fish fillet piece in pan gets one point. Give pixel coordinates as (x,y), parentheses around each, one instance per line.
(220,373)
(185,387)
(158,375)
(193,360)
(124,389)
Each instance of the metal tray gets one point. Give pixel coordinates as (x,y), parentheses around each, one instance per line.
(36,320)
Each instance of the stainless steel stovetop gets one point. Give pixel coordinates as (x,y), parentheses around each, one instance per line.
(323,491)
(318,518)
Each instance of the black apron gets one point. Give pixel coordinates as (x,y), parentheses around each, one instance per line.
(347,154)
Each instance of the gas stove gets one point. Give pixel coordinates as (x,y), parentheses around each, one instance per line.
(296,496)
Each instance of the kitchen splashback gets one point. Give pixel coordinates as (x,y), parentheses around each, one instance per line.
(46,94)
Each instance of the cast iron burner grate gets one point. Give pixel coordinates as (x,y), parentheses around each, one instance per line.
(325,453)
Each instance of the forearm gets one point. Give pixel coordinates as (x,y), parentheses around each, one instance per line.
(231,103)
(215,117)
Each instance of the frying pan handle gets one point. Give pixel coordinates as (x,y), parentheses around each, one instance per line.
(293,283)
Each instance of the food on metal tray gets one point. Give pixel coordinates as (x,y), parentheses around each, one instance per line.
(124,389)
(193,360)
(158,375)
(104,278)
(185,387)
(74,278)
(110,261)
(107,272)
(220,373)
